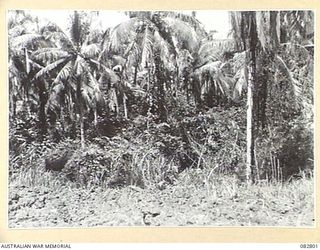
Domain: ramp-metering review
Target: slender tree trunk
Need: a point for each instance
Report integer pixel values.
(197, 93)
(95, 113)
(43, 98)
(250, 101)
(82, 138)
(62, 120)
(116, 103)
(12, 106)
(160, 89)
(12, 100)
(79, 104)
(125, 106)
(250, 141)
(27, 105)
(135, 75)
(218, 96)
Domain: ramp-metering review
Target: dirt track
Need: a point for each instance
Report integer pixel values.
(132, 206)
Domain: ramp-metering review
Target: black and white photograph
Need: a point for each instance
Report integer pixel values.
(157, 118)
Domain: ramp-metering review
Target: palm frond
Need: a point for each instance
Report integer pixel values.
(164, 48)
(54, 100)
(192, 21)
(80, 66)
(241, 79)
(108, 75)
(224, 83)
(268, 29)
(64, 73)
(106, 72)
(54, 33)
(296, 48)
(213, 51)
(218, 82)
(146, 47)
(17, 31)
(211, 68)
(295, 86)
(236, 20)
(217, 79)
(263, 23)
(61, 39)
(49, 54)
(91, 50)
(92, 83)
(95, 36)
(132, 48)
(96, 95)
(122, 33)
(75, 29)
(185, 33)
(239, 60)
(26, 40)
(52, 66)
(13, 70)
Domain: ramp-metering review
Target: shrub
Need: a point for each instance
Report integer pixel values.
(118, 162)
(88, 166)
(216, 138)
(288, 147)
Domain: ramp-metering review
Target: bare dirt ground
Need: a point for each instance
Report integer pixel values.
(289, 205)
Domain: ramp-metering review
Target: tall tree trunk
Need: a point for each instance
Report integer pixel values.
(262, 89)
(196, 91)
(62, 120)
(12, 101)
(82, 138)
(27, 106)
(250, 139)
(95, 114)
(43, 98)
(250, 103)
(80, 109)
(125, 106)
(159, 71)
(135, 75)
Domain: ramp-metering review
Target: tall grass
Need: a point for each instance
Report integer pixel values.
(290, 202)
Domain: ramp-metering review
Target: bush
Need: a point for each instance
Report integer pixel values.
(286, 147)
(217, 138)
(27, 155)
(88, 166)
(118, 162)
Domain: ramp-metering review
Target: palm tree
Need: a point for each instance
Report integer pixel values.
(259, 33)
(24, 38)
(150, 42)
(209, 69)
(72, 63)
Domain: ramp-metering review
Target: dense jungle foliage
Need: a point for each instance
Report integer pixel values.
(157, 95)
